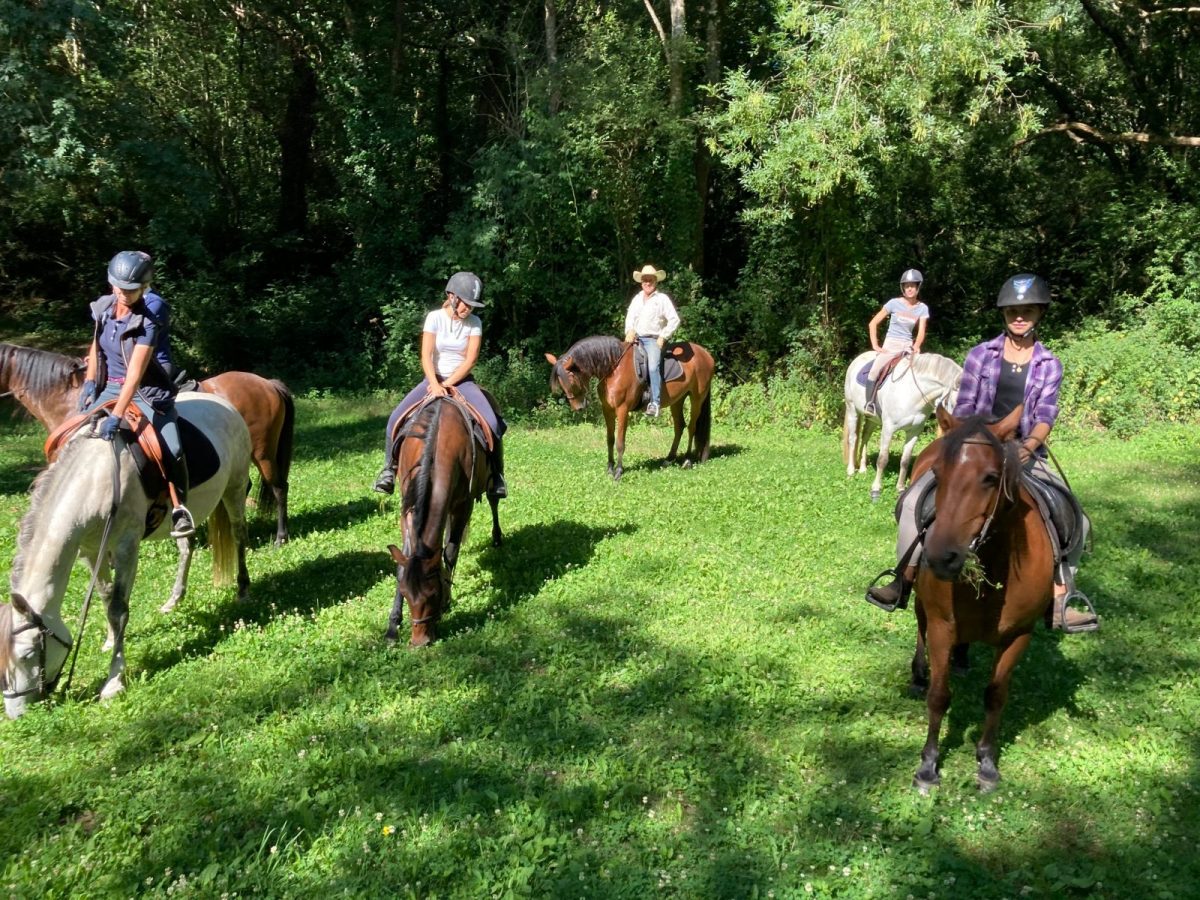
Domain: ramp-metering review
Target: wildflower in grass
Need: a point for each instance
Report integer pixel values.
(379, 817)
(388, 830)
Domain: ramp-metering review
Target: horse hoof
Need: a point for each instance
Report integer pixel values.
(987, 783)
(924, 785)
(875, 495)
(687, 463)
(112, 689)
(167, 607)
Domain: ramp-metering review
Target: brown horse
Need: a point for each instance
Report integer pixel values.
(47, 384)
(443, 472)
(620, 392)
(988, 527)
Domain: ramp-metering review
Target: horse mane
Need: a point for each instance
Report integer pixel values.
(977, 425)
(596, 355)
(6, 638)
(416, 495)
(38, 371)
(942, 368)
(39, 491)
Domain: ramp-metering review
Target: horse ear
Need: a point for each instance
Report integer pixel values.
(20, 604)
(399, 558)
(1006, 428)
(945, 419)
(551, 358)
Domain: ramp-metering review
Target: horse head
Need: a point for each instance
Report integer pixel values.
(978, 471)
(29, 652)
(424, 581)
(567, 379)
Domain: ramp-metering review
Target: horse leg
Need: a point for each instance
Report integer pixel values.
(677, 422)
(622, 422)
(185, 545)
(866, 429)
(920, 664)
(610, 424)
(397, 615)
(104, 588)
(885, 445)
(125, 565)
(497, 536)
(281, 517)
(995, 697)
(940, 635)
(850, 438)
(910, 441)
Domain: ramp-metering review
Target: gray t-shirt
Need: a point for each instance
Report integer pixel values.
(902, 321)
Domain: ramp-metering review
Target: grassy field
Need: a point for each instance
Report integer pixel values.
(671, 686)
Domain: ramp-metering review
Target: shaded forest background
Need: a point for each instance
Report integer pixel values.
(308, 173)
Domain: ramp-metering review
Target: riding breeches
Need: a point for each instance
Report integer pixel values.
(472, 393)
(164, 421)
(909, 529)
(891, 349)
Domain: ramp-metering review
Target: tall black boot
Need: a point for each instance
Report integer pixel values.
(869, 407)
(496, 486)
(182, 524)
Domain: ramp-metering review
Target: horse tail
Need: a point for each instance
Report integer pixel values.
(284, 445)
(704, 428)
(224, 546)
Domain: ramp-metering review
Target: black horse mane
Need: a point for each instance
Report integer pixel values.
(416, 494)
(596, 355)
(38, 371)
(977, 425)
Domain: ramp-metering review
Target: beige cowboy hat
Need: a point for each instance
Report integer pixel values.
(649, 271)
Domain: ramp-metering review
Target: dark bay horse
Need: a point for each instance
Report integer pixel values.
(47, 384)
(611, 361)
(443, 471)
(986, 575)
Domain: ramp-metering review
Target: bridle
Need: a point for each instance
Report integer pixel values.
(43, 687)
(1001, 488)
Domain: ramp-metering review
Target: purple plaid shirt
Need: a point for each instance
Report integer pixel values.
(981, 372)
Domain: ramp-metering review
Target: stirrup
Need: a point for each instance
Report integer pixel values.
(385, 481)
(901, 601)
(1064, 607)
(182, 523)
(497, 488)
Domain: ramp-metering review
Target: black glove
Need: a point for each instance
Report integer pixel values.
(87, 394)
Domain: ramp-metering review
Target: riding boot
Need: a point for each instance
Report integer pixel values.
(869, 406)
(894, 594)
(496, 486)
(385, 482)
(182, 524)
(1070, 620)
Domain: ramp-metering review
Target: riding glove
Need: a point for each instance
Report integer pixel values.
(87, 394)
(109, 427)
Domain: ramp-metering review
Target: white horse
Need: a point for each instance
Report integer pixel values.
(904, 399)
(71, 504)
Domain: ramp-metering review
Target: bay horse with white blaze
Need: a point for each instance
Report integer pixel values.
(91, 503)
(47, 384)
(986, 574)
(443, 471)
(905, 398)
(620, 391)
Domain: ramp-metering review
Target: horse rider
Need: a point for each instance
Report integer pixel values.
(450, 342)
(907, 314)
(998, 375)
(128, 338)
(651, 320)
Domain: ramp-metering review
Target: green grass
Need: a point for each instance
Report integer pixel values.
(668, 686)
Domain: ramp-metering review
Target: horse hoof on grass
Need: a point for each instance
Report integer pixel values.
(875, 495)
(987, 783)
(112, 689)
(687, 463)
(924, 785)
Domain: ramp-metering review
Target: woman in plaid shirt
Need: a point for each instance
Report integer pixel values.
(998, 375)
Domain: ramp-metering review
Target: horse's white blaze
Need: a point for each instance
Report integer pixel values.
(905, 399)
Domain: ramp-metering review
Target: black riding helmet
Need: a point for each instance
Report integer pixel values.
(1024, 289)
(467, 287)
(130, 269)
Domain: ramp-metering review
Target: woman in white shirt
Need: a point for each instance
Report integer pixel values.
(450, 343)
(651, 320)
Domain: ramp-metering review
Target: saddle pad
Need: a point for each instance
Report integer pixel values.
(861, 377)
(672, 368)
(202, 459)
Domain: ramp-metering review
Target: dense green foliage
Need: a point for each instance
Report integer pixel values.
(668, 686)
(308, 174)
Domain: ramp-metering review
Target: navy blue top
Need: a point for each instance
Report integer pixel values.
(157, 307)
(116, 339)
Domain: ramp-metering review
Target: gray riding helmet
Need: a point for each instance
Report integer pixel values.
(912, 276)
(467, 287)
(130, 269)
(1024, 289)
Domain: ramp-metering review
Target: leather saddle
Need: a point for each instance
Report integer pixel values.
(888, 366)
(1059, 508)
(672, 368)
(151, 457)
(479, 427)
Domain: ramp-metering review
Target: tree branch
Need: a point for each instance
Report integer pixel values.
(1081, 131)
(662, 34)
(1170, 10)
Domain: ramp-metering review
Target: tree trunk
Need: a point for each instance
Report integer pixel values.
(712, 75)
(398, 21)
(675, 53)
(555, 98)
(295, 148)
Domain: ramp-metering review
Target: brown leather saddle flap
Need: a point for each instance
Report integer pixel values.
(147, 438)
